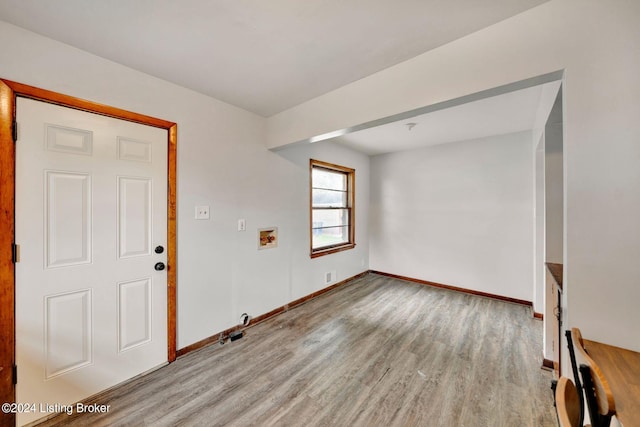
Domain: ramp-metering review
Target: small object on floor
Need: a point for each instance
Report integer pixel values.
(236, 335)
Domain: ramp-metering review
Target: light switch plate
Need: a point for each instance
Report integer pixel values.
(202, 212)
(242, 224)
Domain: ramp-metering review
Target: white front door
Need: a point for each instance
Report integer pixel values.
(91, 219)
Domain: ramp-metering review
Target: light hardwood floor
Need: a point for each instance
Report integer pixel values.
(374, 352)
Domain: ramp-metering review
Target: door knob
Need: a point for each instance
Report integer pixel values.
(159, 266)
(159, 249)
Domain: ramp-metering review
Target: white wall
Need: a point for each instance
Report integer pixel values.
(308, 273)
(540, 269)
(554, 185)
(543, 293)
(554, 194)
(553, 211)
(595, 43)
(222, 162)
(459, 214)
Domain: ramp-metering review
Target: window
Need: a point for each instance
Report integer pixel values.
(332, 208)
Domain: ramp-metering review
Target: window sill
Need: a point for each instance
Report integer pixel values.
(321, 252)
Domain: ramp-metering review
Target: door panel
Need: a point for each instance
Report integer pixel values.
(68, 140)
(134, 313)
(91, 203)
(134, 216)
(68, 218)
(67, 337)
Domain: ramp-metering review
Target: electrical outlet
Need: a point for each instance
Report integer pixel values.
(202, 212)
(329, 277)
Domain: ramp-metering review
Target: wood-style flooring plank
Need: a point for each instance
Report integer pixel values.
(378, 351)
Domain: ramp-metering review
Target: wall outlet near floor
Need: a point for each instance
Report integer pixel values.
(202, 212)
(329, 277)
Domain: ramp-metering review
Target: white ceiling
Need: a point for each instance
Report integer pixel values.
(515, 111)
(261, 55)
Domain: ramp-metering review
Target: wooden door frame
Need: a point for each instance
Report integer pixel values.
(9, 91)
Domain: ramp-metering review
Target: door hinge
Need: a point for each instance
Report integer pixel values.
(14, 131)
(15, 253)
(15, 374)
